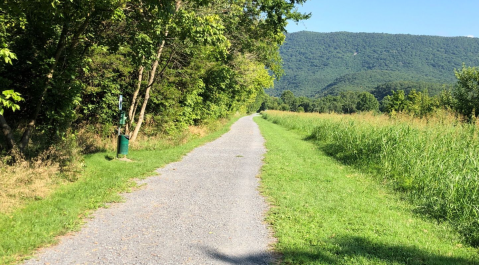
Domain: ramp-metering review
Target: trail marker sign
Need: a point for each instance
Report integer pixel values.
(120, 101)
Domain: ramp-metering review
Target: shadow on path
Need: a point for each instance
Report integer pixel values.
(255, 258)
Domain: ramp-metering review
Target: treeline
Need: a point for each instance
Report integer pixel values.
(329, 63)
(346, 102)
(373, 80)
(391, 98)
(177, 63)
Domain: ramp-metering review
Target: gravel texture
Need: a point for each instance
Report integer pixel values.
(205, 209)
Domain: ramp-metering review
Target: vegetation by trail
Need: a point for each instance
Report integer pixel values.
(178, 64)
(38, 222)
(326, 212)
(63, 64)
(433, 162)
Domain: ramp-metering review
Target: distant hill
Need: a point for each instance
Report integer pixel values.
(328, 63)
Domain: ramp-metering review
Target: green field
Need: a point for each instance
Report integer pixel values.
(325, 211)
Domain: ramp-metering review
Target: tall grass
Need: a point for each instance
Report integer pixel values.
(435, 163)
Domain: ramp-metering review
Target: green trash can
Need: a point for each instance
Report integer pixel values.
(123, 144)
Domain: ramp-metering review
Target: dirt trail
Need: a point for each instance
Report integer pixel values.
(205, 209)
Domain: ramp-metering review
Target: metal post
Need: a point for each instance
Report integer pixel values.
(120, 101)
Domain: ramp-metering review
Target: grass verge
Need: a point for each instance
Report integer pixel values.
(324, 212)
(433, 162)
(40, 222)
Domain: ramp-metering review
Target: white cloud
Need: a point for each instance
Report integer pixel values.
(470, 36)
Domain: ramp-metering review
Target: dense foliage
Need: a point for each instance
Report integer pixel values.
(176, 63)
(466, 95)
(330, 63)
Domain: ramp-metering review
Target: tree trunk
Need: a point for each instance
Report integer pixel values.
(135, 108)
(7, 132)
(148, 88)
(152, 80)
(133, 104)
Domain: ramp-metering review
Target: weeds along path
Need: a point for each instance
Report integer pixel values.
(326, 212)
(205, 209)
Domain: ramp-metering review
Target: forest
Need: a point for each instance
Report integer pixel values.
(408, 97)
(176, 63)
(321, 64)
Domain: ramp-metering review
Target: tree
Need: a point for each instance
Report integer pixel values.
(349, 101)
(446, 99)
(8, 97)
(396, 102)
(284, 107)
(8, 100)
(106, 76)
(53, 37)
(466, 91)
(187, 61)
(238, 69)
(367, 102)
(288, 98)
(164, 29)
(413, 102)
(305, 103)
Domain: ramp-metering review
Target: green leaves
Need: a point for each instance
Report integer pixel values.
(7, 55)
(466, 91)
(396, 102)
(8, 100)
(367, 102)
(201, 59)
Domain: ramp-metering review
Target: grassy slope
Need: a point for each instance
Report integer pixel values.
(327, 213)
(39, 223)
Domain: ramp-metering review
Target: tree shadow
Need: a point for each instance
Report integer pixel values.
(345, 250)
(353, 249)
(368, 161)
(337, 151)
(254, 258)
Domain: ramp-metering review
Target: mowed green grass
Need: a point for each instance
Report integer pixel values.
(324, 212)
(39, 223)
(433, 162)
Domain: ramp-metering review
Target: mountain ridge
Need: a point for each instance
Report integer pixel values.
(317, 64)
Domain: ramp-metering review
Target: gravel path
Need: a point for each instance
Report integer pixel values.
(205, 209)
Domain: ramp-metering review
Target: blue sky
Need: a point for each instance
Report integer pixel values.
(447, 18)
